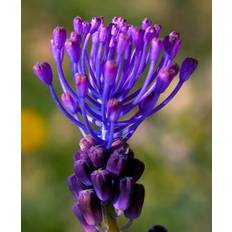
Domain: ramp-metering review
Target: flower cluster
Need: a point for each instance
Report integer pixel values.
(105, 180)
(119, 74)
(108, 62)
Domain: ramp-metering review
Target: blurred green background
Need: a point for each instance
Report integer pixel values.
(175, 144)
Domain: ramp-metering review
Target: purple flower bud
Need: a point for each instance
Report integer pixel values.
(172, 43)
(110, 71)
(82, 84)
(188, 66)
(77, 24)
(73, 49)
(75, 186)
(165, 77)
(149, 34)
(158, 228)
(85, 27)
(123, 196)
(59, 35)
(90, 207)
(44, 72)
(123, 40)
(95, 23)
(77, 212)
(82, 170)
(157, 28)
(80, 155)
(136, 169)
(87, 142)
(69, 103)
(136, 204)
(137, 37)
(97, 156)
(146, 23)
(102, 183)
(117, 163)
(113, 109)
(156, 47)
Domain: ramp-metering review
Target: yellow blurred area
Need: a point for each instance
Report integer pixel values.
(33, 130)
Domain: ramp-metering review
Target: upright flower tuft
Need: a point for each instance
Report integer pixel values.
(120, 73)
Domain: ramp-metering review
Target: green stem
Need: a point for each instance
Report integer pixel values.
(110, 222)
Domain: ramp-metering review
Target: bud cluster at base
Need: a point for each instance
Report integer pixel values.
(102, 177)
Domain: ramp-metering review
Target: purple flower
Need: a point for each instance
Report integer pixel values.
(44, 72)
(102, 183)
(108, 103)
(136, 203)
(90, 207)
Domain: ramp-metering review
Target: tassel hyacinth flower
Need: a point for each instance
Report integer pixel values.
(118, 74)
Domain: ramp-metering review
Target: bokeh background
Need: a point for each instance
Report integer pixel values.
(175, 144)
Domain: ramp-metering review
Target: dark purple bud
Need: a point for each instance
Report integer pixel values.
(87, 142)
(149, 34)
(85, 27)
(136, 169)
(75, 186)
(172, 43)
(156, 48)
(83, 170)
(77, 24)
(165, 77)
(157, 28)
(95, 23)
(136, 204)
(117, 163)
(124, 192)
(90, 207)
(123, 40)
(113, 109)
(73, 49)
(137, 37)
(146, 23)
(110, 71)
(158, 228)
(102, 183)
(80, 155)
(69, 103)
(82, 84)
(43, 71)
(188, 66)
(59, 35)
(97, 156)
(77, 212)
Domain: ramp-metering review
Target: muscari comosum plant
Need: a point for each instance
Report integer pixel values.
(119, 72)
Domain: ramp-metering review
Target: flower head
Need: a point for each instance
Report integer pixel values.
(107, 62)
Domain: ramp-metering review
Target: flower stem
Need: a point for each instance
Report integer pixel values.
(110, 222)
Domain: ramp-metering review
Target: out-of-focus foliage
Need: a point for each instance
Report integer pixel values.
(175, 144)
